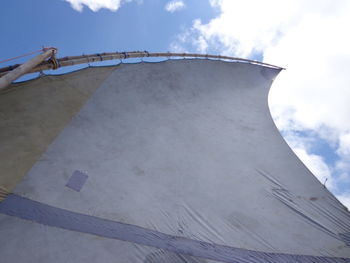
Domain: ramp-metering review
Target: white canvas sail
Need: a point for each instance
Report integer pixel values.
(177, 161)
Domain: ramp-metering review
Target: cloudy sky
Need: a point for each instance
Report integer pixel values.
(310, 101)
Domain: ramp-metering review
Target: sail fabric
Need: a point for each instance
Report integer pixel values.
(185, 150)
(34, 112)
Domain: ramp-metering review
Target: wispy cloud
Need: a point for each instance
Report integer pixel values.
(174, 5)
(302, 146)
(306, 37)
(96, 5)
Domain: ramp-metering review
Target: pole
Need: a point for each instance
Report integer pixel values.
(76, 60)
(26, 67)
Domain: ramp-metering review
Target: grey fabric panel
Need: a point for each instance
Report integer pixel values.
(24, 241)
(345, 237)
(188, 148)
(47, 215)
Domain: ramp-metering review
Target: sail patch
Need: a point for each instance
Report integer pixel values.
(77, 180)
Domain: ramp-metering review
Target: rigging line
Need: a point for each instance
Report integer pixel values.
(20, 56)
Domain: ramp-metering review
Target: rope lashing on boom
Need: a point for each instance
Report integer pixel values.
(55, 63)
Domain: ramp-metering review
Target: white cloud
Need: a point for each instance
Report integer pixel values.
(317, 166)
(175, 5)
(96, 5)
(344, 144)
(313, 92)
(315, 83)
(315, 163)
(344, 199)
(310, 39)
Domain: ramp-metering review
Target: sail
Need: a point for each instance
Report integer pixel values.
(176, 161)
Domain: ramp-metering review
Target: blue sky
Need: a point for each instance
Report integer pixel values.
(135, 26)
(309, 101)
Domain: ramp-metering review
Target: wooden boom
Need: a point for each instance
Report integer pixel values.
(7, 77)
(54, 63)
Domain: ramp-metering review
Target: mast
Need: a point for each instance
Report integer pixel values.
(25, 68)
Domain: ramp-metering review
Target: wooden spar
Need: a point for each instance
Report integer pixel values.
(83, 59)
(27, 67)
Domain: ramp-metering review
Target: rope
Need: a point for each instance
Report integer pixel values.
(21, 56)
